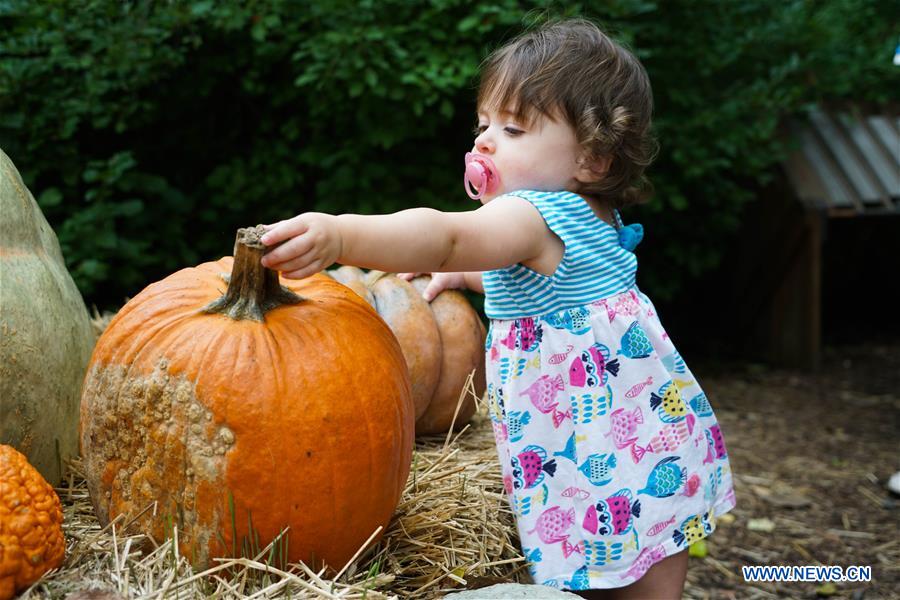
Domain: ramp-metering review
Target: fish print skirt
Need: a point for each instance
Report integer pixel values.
(611, 455)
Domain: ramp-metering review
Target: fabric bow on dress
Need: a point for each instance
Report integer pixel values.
(630, 236)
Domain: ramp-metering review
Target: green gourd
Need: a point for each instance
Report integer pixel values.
(45, 334)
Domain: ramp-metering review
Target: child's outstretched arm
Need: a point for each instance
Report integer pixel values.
(500, 233)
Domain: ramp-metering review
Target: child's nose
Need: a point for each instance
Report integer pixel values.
(484, 144)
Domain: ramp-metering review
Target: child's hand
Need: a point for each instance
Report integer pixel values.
(439, 282)
(312, 242)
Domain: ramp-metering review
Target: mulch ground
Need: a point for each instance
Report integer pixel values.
(811, 454)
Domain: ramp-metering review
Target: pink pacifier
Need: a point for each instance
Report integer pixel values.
(481, 176)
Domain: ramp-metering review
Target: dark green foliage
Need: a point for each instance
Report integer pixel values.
(151, 131)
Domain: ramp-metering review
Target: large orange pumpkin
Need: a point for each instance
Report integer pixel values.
(31, 537)
(264, 404)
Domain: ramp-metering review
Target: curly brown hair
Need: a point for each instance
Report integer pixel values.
(572, 69)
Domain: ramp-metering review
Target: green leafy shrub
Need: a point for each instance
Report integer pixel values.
(151, 131)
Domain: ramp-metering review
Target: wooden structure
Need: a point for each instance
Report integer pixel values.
(844, 163)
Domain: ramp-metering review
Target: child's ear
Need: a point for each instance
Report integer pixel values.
(593, 170)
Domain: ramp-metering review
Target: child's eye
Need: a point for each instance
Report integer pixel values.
(479, 129)
(513, 131)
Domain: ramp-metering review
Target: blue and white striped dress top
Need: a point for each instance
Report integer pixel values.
(594, 265)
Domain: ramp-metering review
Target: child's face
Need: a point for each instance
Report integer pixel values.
(541, 156)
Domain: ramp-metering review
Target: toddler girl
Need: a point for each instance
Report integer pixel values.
(610, 453)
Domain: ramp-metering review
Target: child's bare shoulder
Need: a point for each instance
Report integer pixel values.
(513, 213)
(505, 231)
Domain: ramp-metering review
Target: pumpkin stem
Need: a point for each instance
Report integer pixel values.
(253, 290)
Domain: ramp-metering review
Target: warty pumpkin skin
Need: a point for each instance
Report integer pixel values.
(305, 419)
(31, 537)
(462, 351)
(45, 333)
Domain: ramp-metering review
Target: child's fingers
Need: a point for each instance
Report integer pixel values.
(433, 288)
(312, 265)
(408, 276)
(300, 263)
(283, 230)
(300, 273)
(281, 257)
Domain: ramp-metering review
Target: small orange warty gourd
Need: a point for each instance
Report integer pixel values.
(280, 403)
(31, 537)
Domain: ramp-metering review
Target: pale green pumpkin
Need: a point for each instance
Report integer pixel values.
(45, 334)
